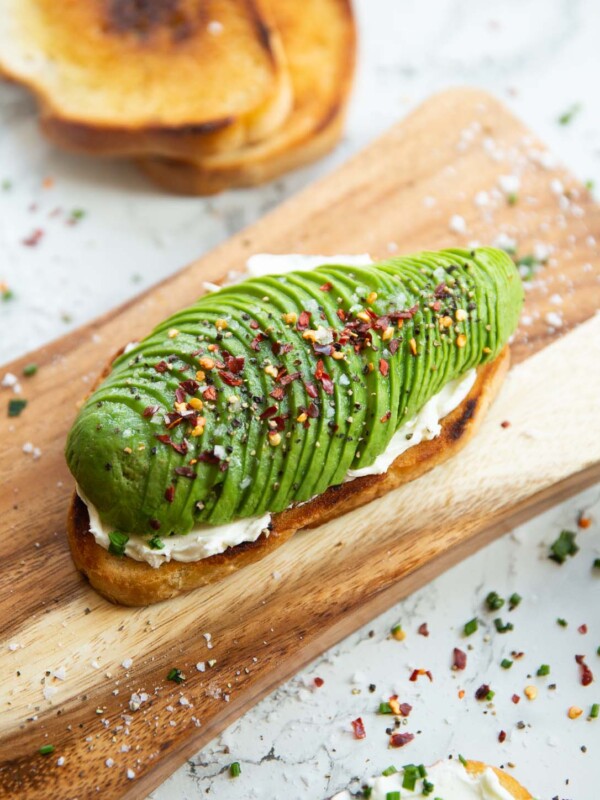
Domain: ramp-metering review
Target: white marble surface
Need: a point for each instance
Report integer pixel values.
(542, 57)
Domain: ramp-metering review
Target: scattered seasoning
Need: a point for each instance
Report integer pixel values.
(586, 673)
(76, 215)
(595, 711)
(506, 663)
(411, 775)
(502, 736)
(423, 630)
(389, 771)
(398, 633)
(505, 424)
(175, 675)
(596, 564)
(569, 115)
(516, 699)
(530, 692)
(484, 692)
(29, 370)
(416, 673)
(16, 406)
(471, 626)
(462, 760)
(583, 521)
(563, 547)
(319, 682)
(118, 541)
(459, 659)
(562, 622)
(358, 728)
(543, 669)
(401, 739)
(583, 629)
(574, 712)
(235, 770)
(34, 238)
(514, 600)
(493, 601)
(155, 543)
(46, 749)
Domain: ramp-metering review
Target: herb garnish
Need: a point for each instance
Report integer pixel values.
(563, 547)
(155, 543)
(503, 627)
(29, 370)
(494, 601)
(235, 769)
(506, 663)
(175, 675)
(118, 542)
(543, 669)
(569, 115)
(46, 749)
(15, 406)
(471, 626)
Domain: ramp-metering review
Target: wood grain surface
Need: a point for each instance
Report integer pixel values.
(268, 620)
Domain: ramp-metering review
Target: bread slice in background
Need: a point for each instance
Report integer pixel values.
(181, 78)
(319, 39)
(136, 583)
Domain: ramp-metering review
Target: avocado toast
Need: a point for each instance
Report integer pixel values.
(269, 405)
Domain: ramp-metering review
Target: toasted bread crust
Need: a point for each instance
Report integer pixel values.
(506, 781)
(136, 583)
(321, 74)
(125, 43)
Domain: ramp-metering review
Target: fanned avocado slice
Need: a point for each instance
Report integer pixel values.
(267, 392)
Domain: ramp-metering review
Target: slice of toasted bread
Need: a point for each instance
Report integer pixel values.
(136, 583)
(319, 40)
(512, 786)
(173, 77)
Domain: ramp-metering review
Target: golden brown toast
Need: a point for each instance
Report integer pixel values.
(173, 77)
(136, 583)
(319, 40)
(507, 782)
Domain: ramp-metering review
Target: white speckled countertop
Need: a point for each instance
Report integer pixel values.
(541, 57)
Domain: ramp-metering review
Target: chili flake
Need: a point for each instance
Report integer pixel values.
(358, 728)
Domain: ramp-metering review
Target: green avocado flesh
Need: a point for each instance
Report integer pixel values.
(310, 375)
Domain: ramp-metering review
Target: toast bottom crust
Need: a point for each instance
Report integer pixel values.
(136, 583)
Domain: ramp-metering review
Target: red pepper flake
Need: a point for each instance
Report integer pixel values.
(385, 418)
(436, 306)
(341, 314)
(460, 659)
(185, 472)
(303, 321)
(400, 739)
(286, 379)
(516, 699)
(319, 682)
(441, 290)
(583, 521)
(154, 524)
(161, 367)
(358, 728)
(255, 343)
(170, 494)
(189, 387)
(586, 673)
(179, 395)
(235, 364)
(502, 736)
(268, 412)
(150, 411)
(583, 629)
(254, 325)
(327, 287)
(393, 346)
(408, 314)
(322, 376)
(179, 447)
(417, 672)
(278, 393)
(311, 390)
(482, 692)
(34, 238)
(405, 709)
(313, 411)
(384, 367)
(229, 378)
(505, 424)
(210, 393)
(423, 630)
(209, 457)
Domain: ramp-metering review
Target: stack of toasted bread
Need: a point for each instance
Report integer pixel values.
(204, 94)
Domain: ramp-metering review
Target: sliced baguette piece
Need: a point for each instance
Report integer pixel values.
(136, 583)
(319, 39)
(180, 78)
(512, 786)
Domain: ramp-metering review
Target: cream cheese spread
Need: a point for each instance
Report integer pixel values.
(450, 780)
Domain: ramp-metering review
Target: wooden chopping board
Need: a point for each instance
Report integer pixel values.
(400, 194)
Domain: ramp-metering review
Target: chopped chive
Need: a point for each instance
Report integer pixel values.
(506, 663)
(389, 771)
(367, 791)
(543, 669)
(490, 696)
(6, 185)
(77, 214)
(595, 711)
(118, 542)
(16, 406)
(8, 294)
(562, 622)
(563, 547)
(392, 796)
(503, 627)
(46, 749)
(596, 563)
(409, 780)
(29, 370)
(235, 770)
(471, 626)
(462, 760)
(514, 600)
(155, 543)
(175, 675)
(493, 601)
(569, 115)
(512, 199)
(384, 708)
(589, 185)
(427, 787)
